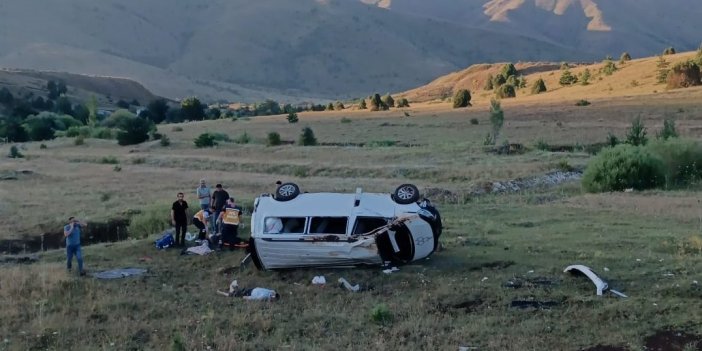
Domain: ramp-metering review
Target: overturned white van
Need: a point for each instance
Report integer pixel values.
(290, 229)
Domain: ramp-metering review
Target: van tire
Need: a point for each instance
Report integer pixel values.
(287, 192)
(406, 194)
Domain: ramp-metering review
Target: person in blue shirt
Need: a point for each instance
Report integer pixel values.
(72, 232)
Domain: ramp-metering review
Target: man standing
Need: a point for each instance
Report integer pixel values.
(219, 199)
(230, 219)
(71, 232)
(179, 217)
(203, 195)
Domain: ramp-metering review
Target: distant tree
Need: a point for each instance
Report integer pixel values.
(22, 108)
(267, 108)
(585, 77)
(330, 107)
(307, 137)
(499, 81)
(122, 104)
(521, 82)
(564, 66)
(669, 51)
(538, 87)
(662, 69)
(609, 67)
(683, 75)
(134, 102)
(135, 131)
(461, 98)
(668, 130)
(292, 117)
(42, 126)
(214, 113)
(273, 139)
(489, 83)
(497, 120)
(377, 104)
(403, 102)
(119, 119)
(92, 106)
(567, 78)
(636, 134)
(62, 88)
(39, 103)
(174, 115)
(362, 105)
(63, 106)
(505, 92)
(6, 96)
(624, 58)
(192, 109)
(389, 100)
(205, 140)
(81, 113)
(157, 110)
(512, 80)
(509, 70)
(339, 106)
(12, 129)
(52, 88)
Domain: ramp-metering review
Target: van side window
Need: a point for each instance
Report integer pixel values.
(294, 225)
(367, 224)
(328, 225)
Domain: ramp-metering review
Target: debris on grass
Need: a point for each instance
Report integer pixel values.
(600, 284)
(542, 305)
(345, 283)
(19, 259)
(119, 273)
(319, 280)
(666, 340)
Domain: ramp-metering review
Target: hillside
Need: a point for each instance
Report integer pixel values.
(243, 50)
(636, 77)
(107, 90)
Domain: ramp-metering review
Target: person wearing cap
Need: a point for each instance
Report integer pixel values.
(219, 200)
(230, 219)
(72, 232)
(201, 220)
(203, 195)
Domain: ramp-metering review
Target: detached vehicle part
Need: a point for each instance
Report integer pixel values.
(600, 284)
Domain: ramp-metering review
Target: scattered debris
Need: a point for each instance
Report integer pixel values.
(18, 259)
(492, 265)
(391, 270)
(319, 280)
(543, 305)
(257, 294)
(484, 279)
(355, 288)
(119, 273)
(606, 269)
(202, 249)
(600, 284)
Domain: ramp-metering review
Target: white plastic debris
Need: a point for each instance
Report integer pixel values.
(638, 260)
(530, 272)
(348, 286)
(606, 269)
(695, 282)
(233, 286)
(391, 270)
(319, 280)
(484, 279)
(600, 284)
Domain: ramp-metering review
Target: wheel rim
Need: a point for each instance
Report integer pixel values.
(405, 193)
(286, 190)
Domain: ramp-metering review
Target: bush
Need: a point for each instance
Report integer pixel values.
(205, 140)
(567, 78)
(609, 67)
(538, 87)
(135, 132)
(117, 168)
(623, 167)
(403, 102)
(339, 106)
(497, 120)
(243, 138)
(83, 131)
(582, 102)
(636, 134)
(110, 160)
(221, 137)
(662, 70)
(377, 104)
(461, 98)
(625, 57)
(307, 137)
(102, 133)
(177, 129)
(362, 105)
(80, 140)
(345, 120)
(683, 75)
(388, 100)
(273, 139)
(165, 141)
(668, 130)
(542, 145)
(506, 91)
(14, 152)
(330, 107)
(585, 77)
(474, 121)
(42, 146)
(489, 85)
(682, 160)
(381, 314)
(292, 117)
(669, 51)
(612, 140)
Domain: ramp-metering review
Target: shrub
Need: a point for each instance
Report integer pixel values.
(345, 120)
(292, 117)
(474, 121)
(377, 104)
(668, 130)
(542, 145)
(461, 98)
(623, 167)
(682, 160)
(497, 120)
(538, 87)
(499, 80)
(567, 78)
(585, 77)
(362, 105)
(135, 132)
(42, 146)
(330, 107)
(243, 138)
(339, 106)
(403, 102)
(165, 141)
(636, 134)
(14, 152)
(662, 70)
(624, 58)
(669, 51)
(683, 75)
(382, 143)
(506, 91)
(221, 137)
(612, 140)
(307, 137)
(388, 100)
(102, 133)
(381, 314)
(565, 166)
(76, 131)
(177, 129)
(273, 139)
(609, 67)
(80, 140)
(205, 140)
(582, 102)
(489, 83)
(111, 160)
(117, 168)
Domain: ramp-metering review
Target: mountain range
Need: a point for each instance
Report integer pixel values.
(242, 50)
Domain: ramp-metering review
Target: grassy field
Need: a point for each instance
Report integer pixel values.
(649, 242)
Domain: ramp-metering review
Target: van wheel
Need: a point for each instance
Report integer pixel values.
(406, 194)
(287, 192)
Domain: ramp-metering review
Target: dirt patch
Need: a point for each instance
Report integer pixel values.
(605, 348)
(96, 232)
(541, 305)
(492, 265)
(669, 340)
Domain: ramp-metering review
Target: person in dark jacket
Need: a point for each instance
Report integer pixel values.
(179, 218)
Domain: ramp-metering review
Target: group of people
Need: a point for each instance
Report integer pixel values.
(217, 219)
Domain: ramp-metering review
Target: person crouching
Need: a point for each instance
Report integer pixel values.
(230, 219)
(201, 220)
